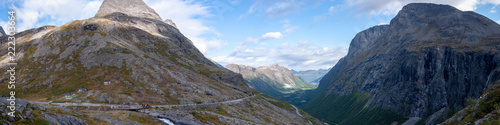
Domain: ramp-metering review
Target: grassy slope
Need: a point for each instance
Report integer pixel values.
(348, 109)
(266, 85)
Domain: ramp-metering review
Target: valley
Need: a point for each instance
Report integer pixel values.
(250, 62)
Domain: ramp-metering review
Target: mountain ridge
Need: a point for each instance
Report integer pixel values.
(311, 76)
(272, 79)
(125, 57)
(429, 58)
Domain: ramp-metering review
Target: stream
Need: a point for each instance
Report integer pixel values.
(166, 121)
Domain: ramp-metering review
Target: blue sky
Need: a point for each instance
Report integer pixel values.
(298, 34)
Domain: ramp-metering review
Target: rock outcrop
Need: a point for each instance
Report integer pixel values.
(136, 8)
(429, 59)
(127, 55)
(30, 113)
(170, 22)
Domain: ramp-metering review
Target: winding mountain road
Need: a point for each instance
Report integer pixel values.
(160, 106)
(296, 110)
(223, 102)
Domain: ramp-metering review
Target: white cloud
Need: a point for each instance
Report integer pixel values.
(382, 23)
(493, 9)
(288, 28)
(496, 2)
(266, 36)
(36, 13)
(391, 7)
(189, 17)
(253, 40)
(299, 56)
(498, 21)
(331, 9)
(272, 35)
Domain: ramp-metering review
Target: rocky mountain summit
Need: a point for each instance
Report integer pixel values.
(135, 8)
(272, 79)
(127, 55)
(425, 64)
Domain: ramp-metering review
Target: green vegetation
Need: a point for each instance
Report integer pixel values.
(281, 104)
(487, 105)
(36, 120)
(349, 109)
(206, 118)
(221, 111)
(143, 119)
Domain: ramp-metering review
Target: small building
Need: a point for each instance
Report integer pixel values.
(107, 82)
(82, 89)
(69, 96)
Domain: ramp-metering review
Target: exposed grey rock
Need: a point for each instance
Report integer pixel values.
(437, 117)
(25, 109)
(50, 119)
(270, 79)
(112, 120)
(170, 22)
(135, 8)
(430, 57)
(411, 121)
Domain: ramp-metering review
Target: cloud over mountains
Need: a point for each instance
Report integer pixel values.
(299, 56)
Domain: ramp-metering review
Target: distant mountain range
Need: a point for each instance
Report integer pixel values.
(274, 80)
(311, 76)
(423, 67)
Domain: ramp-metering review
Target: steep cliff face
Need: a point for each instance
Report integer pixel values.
(430, 57)
(128, 56)
(273, 79)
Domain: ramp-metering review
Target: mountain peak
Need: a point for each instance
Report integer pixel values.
(135, 8)
(422, 13)
(273, 66)
(170, 22)
(429, 7)
(431, 22)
